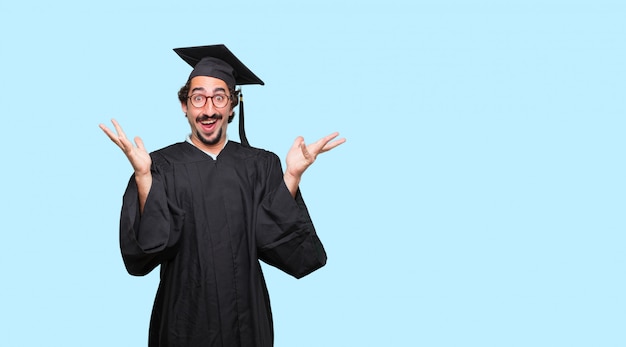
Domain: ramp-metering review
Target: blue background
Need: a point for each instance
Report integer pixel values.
(479, 200)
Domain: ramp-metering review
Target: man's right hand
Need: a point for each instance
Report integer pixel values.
(137, 155)
(139, 158)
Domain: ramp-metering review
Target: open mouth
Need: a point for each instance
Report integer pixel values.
(208, 123)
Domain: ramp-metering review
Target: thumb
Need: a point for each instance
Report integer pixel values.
(139, 143)
(298, 142)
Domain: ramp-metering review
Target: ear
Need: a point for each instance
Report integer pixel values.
(183, 105)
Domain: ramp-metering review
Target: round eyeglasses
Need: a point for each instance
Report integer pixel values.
(218, 100)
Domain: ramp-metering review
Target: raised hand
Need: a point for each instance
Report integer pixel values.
(301, 156)
(137, 155)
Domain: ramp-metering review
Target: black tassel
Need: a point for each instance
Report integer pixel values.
(242, 130)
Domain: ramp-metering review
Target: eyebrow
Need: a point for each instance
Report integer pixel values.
(201, 89)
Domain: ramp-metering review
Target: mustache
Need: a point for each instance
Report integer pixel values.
(205, 117)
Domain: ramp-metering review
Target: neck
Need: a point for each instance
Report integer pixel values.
(212, 147)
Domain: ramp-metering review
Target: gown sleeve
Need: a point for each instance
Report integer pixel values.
(286, 237)
(148, 239)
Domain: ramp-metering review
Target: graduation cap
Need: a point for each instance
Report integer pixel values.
(219, 62)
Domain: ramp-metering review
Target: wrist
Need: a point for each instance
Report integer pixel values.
(143, 176)
(292, 177)
(292, 182)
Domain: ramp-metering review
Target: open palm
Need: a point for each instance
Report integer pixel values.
(137, 155)
(301, 155)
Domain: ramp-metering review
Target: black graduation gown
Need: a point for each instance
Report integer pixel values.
(207, 223)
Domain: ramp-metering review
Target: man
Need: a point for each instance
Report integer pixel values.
(208, 209)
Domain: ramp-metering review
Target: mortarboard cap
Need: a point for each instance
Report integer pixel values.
(219, 62)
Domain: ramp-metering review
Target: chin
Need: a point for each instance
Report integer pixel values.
(213, 139)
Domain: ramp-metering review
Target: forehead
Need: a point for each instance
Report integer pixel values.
(207, 83)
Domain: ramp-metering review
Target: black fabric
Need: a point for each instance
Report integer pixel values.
(217, 68)
(207, 223)
(197, 58)
(242, 128)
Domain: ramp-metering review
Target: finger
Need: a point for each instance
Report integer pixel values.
(305, 151)
(118, 129)
(333, 144)
(319, 145)
(324, 140)
(139, 143)
(297, 142)
(105, 129)
(113, 137)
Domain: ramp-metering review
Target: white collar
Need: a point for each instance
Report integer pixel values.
(214, 156)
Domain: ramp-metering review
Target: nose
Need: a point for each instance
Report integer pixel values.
(208, 106)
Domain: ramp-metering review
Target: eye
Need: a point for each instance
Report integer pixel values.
(219, 98)
(197, 98)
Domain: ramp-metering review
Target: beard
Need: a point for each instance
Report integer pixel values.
(210, 142)
(218, 135)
